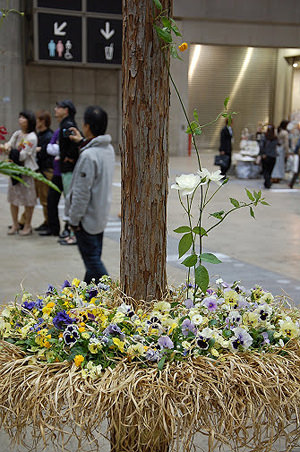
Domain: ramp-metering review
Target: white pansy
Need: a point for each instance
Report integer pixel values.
(186, 183)
(124, 308)
(197, 319)
(207, 176)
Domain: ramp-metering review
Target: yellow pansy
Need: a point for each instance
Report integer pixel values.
(250, 319)
(231, 297)
(120, 344)
(78, 360)
(289, 329)
(76, 283)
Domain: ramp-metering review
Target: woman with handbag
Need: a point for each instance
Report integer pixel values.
(21, 149)
(268, 153)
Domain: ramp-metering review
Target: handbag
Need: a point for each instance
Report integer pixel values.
(14, 156)
(222, 160)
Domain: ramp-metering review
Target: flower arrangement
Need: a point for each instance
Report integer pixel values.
(81, 325)
(225, 361)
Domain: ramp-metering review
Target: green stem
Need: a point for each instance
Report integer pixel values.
(227, 213)
(185, 115)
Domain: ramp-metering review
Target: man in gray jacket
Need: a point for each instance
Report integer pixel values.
(89, 198)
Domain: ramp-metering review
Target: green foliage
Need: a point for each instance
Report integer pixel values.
(202, 278)
(15, 171)
(209, 257)
(190, 261)
(185, 244)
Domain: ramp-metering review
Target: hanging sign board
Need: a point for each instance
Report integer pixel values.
(104, 41)
(88, 32)
(60, 37)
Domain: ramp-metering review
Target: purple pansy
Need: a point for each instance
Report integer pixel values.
(61, 320)
(211, 303)
(266, 338)
(152, 355)
(66, 283)
(114, 330)
(93, 292)
(188, 303)
(165, 342)
(188, 326)
(240, 339)
(29, 305)
(50, 290)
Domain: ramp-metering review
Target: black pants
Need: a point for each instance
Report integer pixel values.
(52, 203)
(268, 164)
(90, 247)
(226, 168)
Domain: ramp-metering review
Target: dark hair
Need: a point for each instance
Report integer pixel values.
(270, 133)
(96, 118)
(44, 115)
(283, 125)
(30, 116)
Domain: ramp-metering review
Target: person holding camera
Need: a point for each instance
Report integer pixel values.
(65, 112)
(89, 198)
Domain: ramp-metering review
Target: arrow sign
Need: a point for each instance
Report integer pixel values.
(107, 33)
(58, 29)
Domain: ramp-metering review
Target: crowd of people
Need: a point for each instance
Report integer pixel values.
(79, 164)
(276, 148)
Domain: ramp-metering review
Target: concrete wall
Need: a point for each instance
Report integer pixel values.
(262, 23)
(45, 85)
(11, 68)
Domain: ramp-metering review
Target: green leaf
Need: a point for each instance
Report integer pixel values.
(164, 34)
(199, 231)
(195, 114)
(182, 229)
(252, 212)
(265, 203)
(166, 22)
(226, 102)
(157, 4)
(234, 202)
(202, 278)
(174, 53)
(185, 243)
(175, 28)
(190, 261)
(194, 128)
(161, 363)
(218, 215)
(249, 194)
(209, 257)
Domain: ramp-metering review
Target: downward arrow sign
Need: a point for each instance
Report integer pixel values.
(58, 30)
(107, 33)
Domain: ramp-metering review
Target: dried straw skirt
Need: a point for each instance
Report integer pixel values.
(20, 194)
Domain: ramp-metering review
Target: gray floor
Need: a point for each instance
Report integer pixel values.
(265, 251)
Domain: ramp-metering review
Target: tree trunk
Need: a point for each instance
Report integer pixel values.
(144, 154)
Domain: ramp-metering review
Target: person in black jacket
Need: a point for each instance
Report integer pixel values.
(44, 160)
(268, 152)
(65, 112)
(225, 148)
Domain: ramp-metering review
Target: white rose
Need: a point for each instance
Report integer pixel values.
(186, 183)
(215, 176)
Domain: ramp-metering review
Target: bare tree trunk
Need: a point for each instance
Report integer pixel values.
(144, 154)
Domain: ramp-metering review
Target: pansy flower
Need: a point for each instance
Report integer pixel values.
(71, 334)
(61, 320)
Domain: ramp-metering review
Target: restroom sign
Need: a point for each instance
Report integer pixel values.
(59, 37)
(104, 40)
